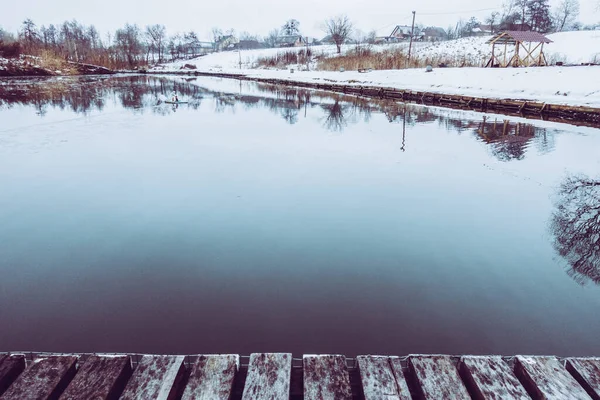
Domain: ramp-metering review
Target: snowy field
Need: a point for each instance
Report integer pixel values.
(568, 47)
(574, 85)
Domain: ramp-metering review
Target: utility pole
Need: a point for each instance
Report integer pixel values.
(307, 55)
(412, 32)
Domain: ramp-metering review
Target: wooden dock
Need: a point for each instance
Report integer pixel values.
(272, 376)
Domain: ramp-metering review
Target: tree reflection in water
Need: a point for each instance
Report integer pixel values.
(334, 116)
(575, 225)
(506, 140)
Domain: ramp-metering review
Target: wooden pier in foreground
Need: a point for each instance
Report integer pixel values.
(272, 376)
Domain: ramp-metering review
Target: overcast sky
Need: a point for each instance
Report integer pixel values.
(254, 16)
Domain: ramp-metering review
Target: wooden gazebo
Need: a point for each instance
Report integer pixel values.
(523, 42)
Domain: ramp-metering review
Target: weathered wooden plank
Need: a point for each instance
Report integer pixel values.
(156, 377)
(10, 368)
(438, 377)
(99, 378)
(326, 378)
(212, 377)
(587, 372)
(382, 378)
(491, 378)
(268, 376)
(546, 378)
(397, 369)
(45, 379)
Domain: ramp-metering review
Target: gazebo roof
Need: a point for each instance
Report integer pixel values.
(512, 37)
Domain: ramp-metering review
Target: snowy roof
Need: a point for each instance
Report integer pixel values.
(519, 36)
(402, 29)
(433, 30)
(289, 39)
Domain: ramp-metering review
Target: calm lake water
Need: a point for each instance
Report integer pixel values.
(257, 218)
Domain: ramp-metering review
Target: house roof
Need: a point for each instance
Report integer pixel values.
(434, 30)
(224, 38)
(289, 38)
(512, 37)
(403, 29)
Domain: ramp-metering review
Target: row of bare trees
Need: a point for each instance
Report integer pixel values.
(128, 47)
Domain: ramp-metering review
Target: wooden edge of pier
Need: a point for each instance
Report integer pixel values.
(576, 115)
(280, 376)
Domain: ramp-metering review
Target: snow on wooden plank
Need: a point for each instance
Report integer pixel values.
(438, 377)
(268, 376)
(491, 378)
(382, 378)
(99, 378)
(10, 368)
(587, 372)
(397, 369)
(156, 377)
(326, 378)
(212, 377)
(546, 378)
(45, 378)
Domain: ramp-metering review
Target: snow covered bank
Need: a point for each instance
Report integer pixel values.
(577, 86)
(567, 47)
(23, 66)
(573, 48)
(26, 65)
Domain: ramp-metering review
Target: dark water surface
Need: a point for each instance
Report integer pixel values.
(258, 218)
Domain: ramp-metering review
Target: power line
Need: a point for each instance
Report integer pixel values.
(461, 12)
(406, 20)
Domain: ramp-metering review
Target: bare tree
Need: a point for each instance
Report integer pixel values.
(538, 12)
(521, 5)
(245, 35)
(339, 29)
(291, 27)
(190, 43)
(468, 27)
(272, 38)
(157, 35)
(93, 37)
(216, 33)
(371, 36)
(492, 20)
(566, 14)
(29, 34)
(129, 44)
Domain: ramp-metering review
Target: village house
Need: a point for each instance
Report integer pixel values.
(434, 34)
(227, 42)
(290, 41)
(199, 48)
(483, 30)
(248, 45)
(401, 32)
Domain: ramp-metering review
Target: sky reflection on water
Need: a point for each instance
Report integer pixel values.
(261, 218)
